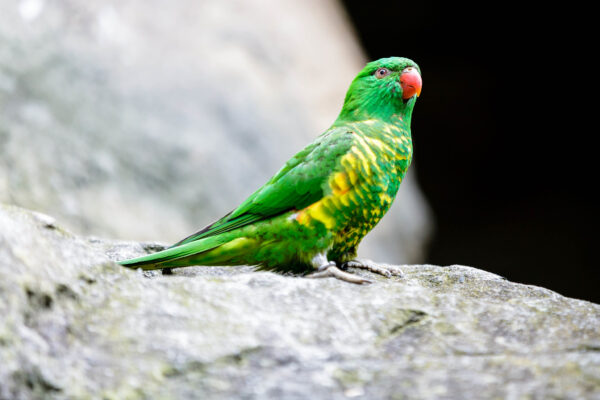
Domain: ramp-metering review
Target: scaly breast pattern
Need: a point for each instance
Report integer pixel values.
(363, 188)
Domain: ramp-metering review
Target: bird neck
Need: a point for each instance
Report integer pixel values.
(360, 109)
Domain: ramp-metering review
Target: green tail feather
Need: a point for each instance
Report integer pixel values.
(199, 252)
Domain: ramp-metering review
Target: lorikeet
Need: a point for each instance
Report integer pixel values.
(311, 216)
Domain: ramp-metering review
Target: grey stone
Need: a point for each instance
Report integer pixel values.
(75, 325)
(148, 120)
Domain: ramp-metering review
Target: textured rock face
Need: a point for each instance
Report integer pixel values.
(147, 120)
(76, 325)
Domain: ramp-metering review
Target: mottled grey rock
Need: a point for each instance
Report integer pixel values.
(75, 325)
(147, 120)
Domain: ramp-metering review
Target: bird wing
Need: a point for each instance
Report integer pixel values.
(301, 182)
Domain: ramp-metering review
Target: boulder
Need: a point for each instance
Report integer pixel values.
(76, 325)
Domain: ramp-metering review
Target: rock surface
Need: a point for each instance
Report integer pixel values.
(148, 120)
(75, 325)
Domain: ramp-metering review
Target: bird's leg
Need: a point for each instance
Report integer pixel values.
(381, 269)
(326, 269)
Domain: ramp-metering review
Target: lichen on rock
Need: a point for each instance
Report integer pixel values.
(77, 325)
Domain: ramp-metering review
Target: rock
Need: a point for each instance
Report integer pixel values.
(149, 120)
(76, 325)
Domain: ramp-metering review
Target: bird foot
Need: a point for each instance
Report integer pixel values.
(331, 270)
(382, 269)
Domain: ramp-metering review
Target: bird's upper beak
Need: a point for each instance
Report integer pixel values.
(411, 82)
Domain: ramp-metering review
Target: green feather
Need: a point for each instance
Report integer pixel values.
(298, 184)
(325, 198)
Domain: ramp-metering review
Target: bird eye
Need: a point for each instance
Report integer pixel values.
(382, 72)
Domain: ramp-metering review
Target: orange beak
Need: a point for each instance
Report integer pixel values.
(411, 82)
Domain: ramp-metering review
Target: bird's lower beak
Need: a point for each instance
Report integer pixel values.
(411, 82)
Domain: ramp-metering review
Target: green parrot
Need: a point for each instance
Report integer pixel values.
(311, 216)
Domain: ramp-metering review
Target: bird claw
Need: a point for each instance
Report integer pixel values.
(331, 270)
(382, 269)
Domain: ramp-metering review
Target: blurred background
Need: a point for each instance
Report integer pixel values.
(147, 120)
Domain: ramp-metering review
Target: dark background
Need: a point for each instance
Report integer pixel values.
(501, 135)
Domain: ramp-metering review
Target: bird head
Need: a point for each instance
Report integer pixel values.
(384, 88)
